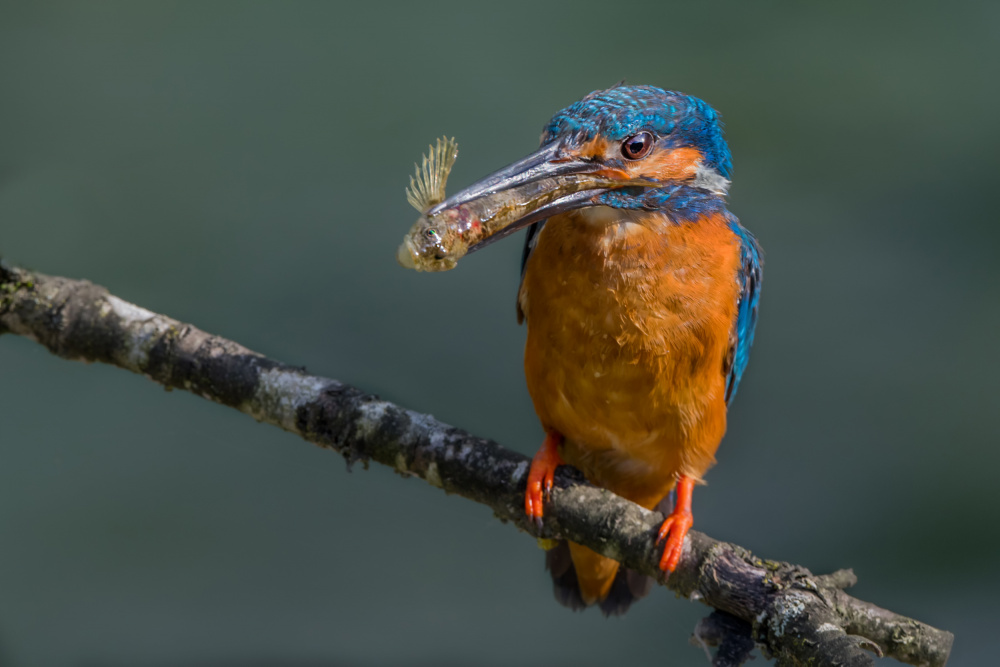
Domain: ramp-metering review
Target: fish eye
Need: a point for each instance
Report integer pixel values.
(431, 234)
(638, 145)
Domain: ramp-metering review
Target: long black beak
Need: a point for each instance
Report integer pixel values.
(549, 181)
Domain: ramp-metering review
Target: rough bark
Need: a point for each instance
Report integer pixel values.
(784, 610)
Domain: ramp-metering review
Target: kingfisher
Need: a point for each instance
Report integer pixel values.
(640, 292)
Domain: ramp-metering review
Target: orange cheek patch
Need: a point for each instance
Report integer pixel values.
(676, 165)
(595, 148)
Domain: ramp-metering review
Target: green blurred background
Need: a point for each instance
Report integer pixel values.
(241, 166)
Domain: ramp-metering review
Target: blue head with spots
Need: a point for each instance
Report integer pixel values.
(675, 121)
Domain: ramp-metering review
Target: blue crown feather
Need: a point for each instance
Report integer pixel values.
(619, 112)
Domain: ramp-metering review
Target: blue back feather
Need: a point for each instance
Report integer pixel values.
(746, 311)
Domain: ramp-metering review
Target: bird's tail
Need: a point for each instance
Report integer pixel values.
(581, 577)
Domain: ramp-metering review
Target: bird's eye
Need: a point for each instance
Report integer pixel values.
(638, 145)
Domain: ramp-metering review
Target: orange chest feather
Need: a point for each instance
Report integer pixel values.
(629, 323)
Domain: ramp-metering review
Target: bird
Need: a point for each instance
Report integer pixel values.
(640, 292)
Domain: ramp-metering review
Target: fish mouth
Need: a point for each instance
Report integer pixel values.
(404, 255)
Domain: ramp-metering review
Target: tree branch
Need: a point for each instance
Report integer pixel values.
(789, 613)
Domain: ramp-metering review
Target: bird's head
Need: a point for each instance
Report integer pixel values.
(627, 147)
(644, 132)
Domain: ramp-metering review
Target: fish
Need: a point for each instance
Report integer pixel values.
(435, 242)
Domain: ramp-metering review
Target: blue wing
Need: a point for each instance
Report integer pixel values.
(746, 309)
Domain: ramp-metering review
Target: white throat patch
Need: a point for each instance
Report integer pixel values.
(710, 179)
(607, 215)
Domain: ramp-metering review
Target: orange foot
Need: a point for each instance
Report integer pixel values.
(677, 525)
(543, 468)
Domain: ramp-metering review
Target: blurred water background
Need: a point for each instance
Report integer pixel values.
(240, 166)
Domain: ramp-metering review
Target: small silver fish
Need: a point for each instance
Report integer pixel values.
(431, 245)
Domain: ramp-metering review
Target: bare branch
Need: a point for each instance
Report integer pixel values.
(789, 613)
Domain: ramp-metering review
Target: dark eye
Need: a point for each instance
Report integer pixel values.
(431, 234)
(638, 146)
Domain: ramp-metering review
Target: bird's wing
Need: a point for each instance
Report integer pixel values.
(741, 337)
(529, 246)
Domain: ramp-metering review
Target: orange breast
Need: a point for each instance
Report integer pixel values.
(629, 321)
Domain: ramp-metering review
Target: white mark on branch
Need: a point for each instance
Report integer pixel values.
(129, 312)
(786, 609)
(280, 393)
(370, 417)
(144, 328)
(436, 440)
